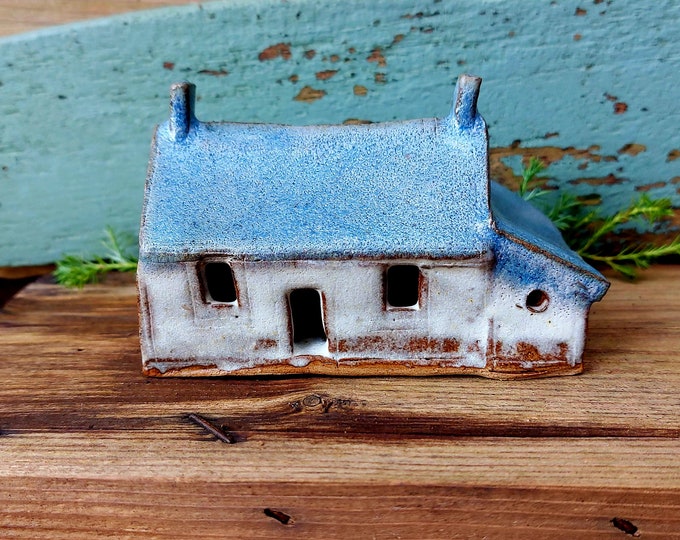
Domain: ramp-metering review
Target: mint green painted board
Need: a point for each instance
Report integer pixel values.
(78, 103)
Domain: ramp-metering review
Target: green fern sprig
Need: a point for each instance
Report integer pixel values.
(527, 187)
(628, 260)
(76, 271)
(651, 210)
(590, 234)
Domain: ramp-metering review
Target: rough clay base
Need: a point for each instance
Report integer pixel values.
(366, 368)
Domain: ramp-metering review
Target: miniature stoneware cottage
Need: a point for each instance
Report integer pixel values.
(350, 249)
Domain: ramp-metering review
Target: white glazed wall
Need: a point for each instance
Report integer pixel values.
(520, 335)
(513, 324)
(182, 325)
(459, 302)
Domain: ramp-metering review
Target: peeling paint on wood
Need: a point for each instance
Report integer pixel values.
(275, 51)
(78, 102)
(356, 121)
(632, 149)
(326, 74)
(649, 187)
(377, 57)
(308, 94)
(360, 90)
(620, 107)
(214, 72)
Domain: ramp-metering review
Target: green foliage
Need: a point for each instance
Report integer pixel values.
(528, 189)
(594, 236)
(76, 271)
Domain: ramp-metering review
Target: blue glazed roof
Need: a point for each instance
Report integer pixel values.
(414, 188)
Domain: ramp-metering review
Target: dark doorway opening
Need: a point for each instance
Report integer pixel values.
(306, 312)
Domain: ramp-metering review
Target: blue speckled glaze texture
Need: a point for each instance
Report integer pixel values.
(413, 189)
(416, 188)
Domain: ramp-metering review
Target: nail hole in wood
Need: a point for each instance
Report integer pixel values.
(625, 526)
(278, 515)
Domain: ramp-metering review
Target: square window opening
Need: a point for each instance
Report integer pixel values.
(219, 283)
(402, 283)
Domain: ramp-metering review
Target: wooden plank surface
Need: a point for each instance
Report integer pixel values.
(91, 448)
(18, 16)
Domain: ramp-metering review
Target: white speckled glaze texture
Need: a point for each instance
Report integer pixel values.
(331, 208)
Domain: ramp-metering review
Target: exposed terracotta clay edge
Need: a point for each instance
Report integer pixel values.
(363, 368)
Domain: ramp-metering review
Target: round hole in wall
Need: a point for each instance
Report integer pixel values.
(537, 301)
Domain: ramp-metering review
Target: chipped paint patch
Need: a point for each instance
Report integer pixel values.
(377, 56)
(325, 75)
(356, 121)
(620, 107)
(632, 149)
(609, 180)
(504, 173)
(275, 51)
(420, 15)
(649, 187)
(308, 94)
(360, 90)
(214, 72)
(673, 154)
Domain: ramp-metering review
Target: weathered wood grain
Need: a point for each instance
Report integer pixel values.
(73, 508)
(90, 447)
(18, 16)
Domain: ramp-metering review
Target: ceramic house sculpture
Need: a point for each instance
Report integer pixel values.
(350, 249)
